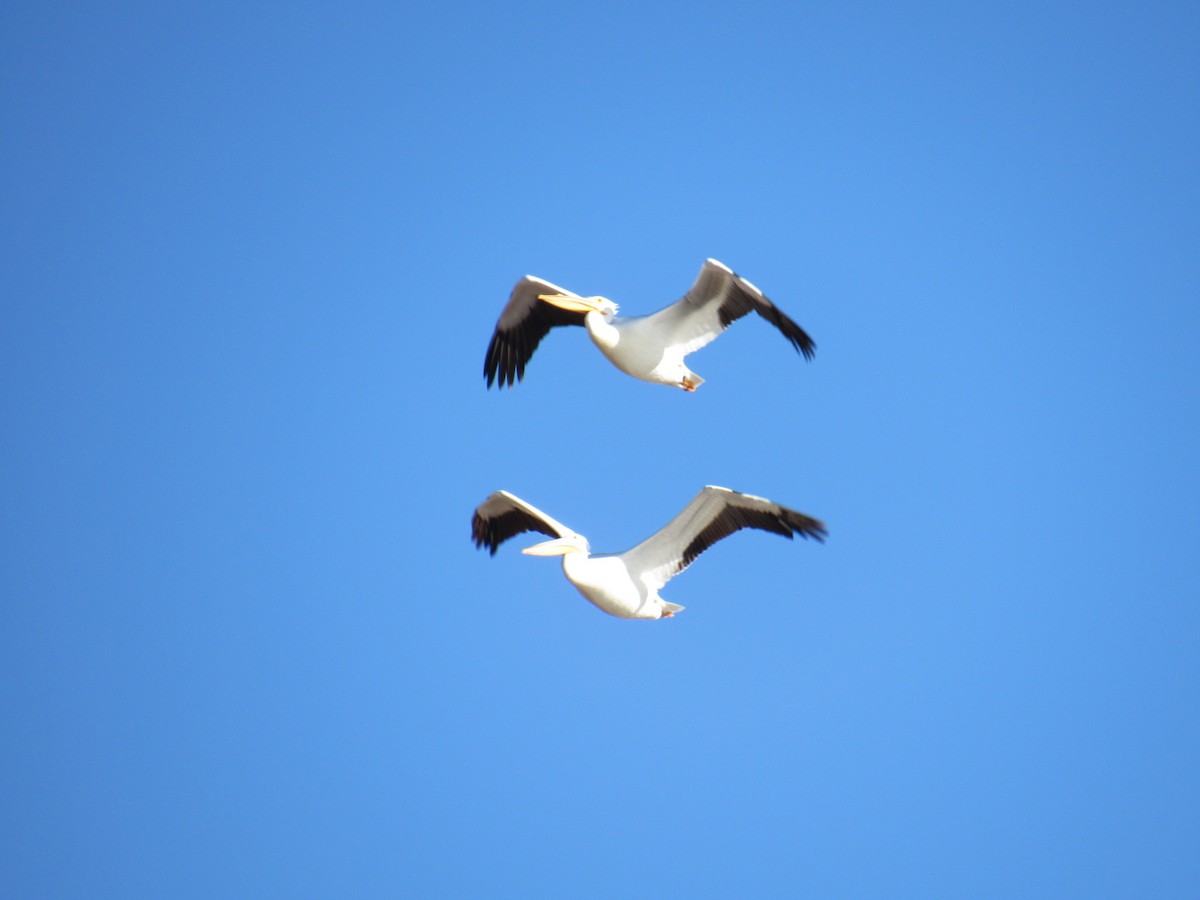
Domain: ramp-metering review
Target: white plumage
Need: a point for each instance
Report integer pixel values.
(651, 347)
(627, 584)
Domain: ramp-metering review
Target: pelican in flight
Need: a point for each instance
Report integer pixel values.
(626, 584)
(651, 347)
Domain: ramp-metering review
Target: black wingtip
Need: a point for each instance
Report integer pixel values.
(807, 346)
(808, 527)
(797, 336)
(482, 535)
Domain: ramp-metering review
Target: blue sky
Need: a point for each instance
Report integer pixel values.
(252, 256)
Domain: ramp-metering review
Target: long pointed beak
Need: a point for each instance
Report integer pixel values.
(572, 303)
(556, 547)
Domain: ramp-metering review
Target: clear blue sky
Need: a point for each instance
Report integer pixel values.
(251, 258)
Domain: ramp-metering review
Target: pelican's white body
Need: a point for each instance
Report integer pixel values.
(636, 345)
(605, 582)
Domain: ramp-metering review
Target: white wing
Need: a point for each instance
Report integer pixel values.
(718, 298)
(521, 327)
(715, 513)
(503, 515)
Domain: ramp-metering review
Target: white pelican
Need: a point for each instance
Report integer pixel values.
(626, 584)
(651, 347)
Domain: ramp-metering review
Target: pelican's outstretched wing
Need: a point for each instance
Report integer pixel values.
(521, 327)
(503, 515)
(715, 513)
(718, 298)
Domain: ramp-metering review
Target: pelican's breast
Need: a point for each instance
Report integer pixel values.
(605, 581)
(631, 344)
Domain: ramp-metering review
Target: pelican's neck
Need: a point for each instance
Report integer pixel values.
(602, 330)
(573, 562)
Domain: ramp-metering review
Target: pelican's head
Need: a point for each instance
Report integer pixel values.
(575, 543)
(601, 305)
